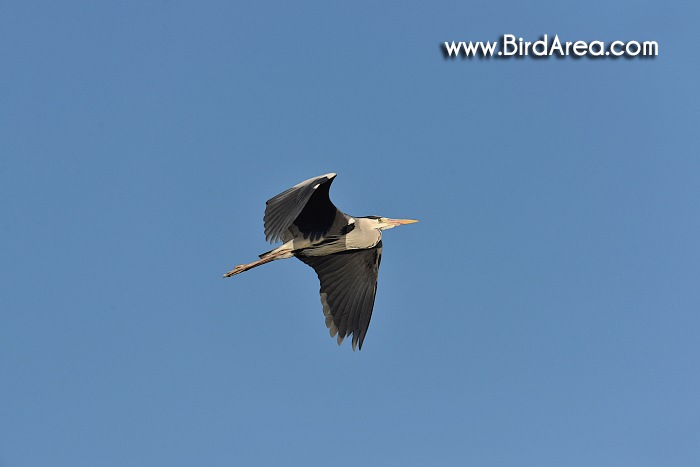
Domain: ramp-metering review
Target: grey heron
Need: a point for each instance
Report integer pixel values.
(345, 251)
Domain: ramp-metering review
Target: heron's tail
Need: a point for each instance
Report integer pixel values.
(262, 255)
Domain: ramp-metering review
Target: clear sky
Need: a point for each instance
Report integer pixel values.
(544, 312)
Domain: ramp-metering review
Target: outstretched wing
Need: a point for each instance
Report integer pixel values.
(306, 206)
(348, 287)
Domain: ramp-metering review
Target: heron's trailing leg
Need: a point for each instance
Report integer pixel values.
(271, 256)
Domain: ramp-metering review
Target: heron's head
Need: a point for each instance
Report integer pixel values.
(385, 223)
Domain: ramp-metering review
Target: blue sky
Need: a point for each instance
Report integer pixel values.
(543, 312)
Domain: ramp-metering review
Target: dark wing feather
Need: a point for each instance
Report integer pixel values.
(348, 287)
(306, 206)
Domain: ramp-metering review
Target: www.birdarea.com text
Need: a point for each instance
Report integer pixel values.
(510, 46)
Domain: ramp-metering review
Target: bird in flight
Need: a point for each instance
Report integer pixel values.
(345, 252)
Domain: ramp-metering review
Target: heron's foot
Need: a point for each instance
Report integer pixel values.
(237, 270)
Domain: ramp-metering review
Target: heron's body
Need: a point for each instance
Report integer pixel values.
(361, 236)
(344, 251)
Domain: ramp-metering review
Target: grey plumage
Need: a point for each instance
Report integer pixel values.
(344, 251)
(306, 205)
(348, 287)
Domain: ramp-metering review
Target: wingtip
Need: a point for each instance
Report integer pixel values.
(356, 343)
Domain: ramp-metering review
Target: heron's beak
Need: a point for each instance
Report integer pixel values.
(402, 221)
